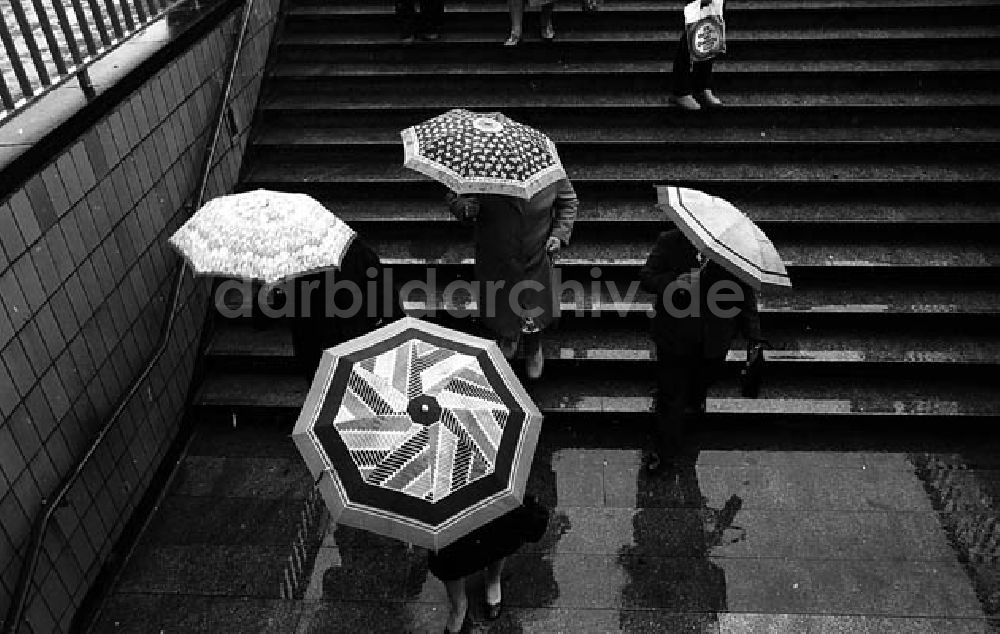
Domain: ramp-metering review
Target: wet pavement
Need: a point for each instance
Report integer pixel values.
(816, 532)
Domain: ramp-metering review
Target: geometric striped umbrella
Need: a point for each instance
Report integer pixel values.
(263, 235)
(418, 432)
(724, 234)
(482, 153)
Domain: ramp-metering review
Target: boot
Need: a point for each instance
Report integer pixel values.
(709, 100)
(685, 102)
(535, 361)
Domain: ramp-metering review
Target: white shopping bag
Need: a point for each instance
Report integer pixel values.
(705, 30)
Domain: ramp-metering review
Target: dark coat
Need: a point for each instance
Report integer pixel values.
(706, 334)
(510, 247)
(316, 325)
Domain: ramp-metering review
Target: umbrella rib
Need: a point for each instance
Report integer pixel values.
(695, 219)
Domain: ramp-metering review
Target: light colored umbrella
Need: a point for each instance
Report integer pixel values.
(418, 432)
(724, 234)
(263, 235)
(482, 153)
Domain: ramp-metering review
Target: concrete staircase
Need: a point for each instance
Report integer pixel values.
(862, 135)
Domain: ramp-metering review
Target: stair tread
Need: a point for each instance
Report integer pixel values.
(570, 100)
(520, 68)
(927, 35)
(773, 212)
(925, 300)
(593, 343)
(651, 6)
(868, 300)
(236, 390)
(618, 134)
(685, 170)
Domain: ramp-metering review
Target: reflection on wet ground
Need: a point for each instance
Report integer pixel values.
(830, 533)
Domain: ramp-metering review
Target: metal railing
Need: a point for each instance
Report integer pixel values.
(19, 599)
(49, 42)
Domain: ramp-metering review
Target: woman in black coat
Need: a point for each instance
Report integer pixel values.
(326, 312)
(485, 548)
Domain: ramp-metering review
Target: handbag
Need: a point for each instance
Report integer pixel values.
(753, 370)
(705, 30)
(533, 518)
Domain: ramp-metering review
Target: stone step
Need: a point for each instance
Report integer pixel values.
(357, 138)
(366, 214)
(682, 170)
(560, 105)
(645, 44)
(237, 343)
(861, 303)
(251, 395)
(365, 17)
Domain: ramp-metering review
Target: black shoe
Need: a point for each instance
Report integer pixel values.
(493, 610)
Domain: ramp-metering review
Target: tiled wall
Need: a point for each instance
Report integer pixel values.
(85, 273)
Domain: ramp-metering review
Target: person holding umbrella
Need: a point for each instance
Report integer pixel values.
(506, 178)
(516, 244)
(702, 274)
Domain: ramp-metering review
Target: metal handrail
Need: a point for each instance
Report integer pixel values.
(15, 613)
(93, 32)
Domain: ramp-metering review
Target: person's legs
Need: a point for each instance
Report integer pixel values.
(535, 356)
(681, 77)
(516, 8)
(406, 14)
(548, 31)
(459, 604)
(673, 377)
(431, 18)
(494, 595)
(702, 84)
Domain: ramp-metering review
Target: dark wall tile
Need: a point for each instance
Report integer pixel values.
(84, 168)
(41, 258)
(95, 152)
(41, 202)
(70, 177)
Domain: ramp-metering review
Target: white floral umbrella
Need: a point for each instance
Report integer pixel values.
(263, 235)
(477, 153)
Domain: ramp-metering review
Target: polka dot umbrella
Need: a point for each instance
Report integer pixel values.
(263, 235)
(476, 153)
(418, 432)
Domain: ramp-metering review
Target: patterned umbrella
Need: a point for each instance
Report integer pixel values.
(724, 234)
(476, 153)
(263, 235)
(425, 433)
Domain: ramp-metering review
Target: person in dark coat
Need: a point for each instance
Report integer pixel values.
(324, 314)
(516, 242)
(691, 336)
(692, 81)
(485, 548)
(426, 25)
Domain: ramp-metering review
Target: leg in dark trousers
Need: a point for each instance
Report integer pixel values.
(428, 22)
(706, 372)
(690, 78)
(675, 377)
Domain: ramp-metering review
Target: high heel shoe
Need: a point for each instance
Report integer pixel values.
(513, 40)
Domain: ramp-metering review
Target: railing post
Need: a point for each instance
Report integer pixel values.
(88, 88)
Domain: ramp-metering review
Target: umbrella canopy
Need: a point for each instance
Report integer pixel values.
(263, 235)
(418, 432)
(724, 234)
(474, 153)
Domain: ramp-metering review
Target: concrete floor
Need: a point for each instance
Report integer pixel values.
(803, 535)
